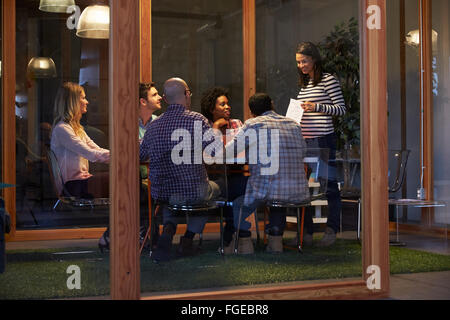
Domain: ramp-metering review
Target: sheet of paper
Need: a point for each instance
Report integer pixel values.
(295, 111)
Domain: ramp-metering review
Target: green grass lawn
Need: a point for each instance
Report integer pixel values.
(41, 274)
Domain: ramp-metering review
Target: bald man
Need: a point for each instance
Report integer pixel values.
(172, 181)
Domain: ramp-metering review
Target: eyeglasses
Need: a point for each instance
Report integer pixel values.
(188, 91)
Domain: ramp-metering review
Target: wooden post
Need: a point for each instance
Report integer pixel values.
(145, 21)
(124, 183)
(249, 48)
(375, 234)
(8, 108)
(426, 98)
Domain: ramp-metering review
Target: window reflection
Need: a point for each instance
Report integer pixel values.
(206, 51)
(201, 42)
(49, 54)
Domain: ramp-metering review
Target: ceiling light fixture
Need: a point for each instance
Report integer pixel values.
(55, 5)
(94, 22)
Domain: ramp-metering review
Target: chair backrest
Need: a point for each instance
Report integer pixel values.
(55, 172)
(350, 174)
(318, 170)
(398, 160)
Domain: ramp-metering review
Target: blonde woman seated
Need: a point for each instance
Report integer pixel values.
(73, 147)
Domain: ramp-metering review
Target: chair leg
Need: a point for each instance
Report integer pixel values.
(299, 246)
(200, 239)
(222, 251)
(266, 216)
(152, 225)
(302, 227)
(236, 233)
(257, 227)
(56, 204)
(145, 239)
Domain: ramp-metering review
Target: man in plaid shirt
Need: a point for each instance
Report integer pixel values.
(282, 178)
(177, 174)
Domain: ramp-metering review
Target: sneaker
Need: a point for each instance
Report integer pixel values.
(245, 246)
(103, 243)
(275, 244)
(164, 246)
(329, 237)
(186, 248)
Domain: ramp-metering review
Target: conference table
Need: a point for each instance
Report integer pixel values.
(417, 203)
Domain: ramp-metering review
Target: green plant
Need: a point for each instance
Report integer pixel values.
(340, 52)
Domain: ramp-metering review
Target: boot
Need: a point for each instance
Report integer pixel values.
(186, 248)
(275, 244)
(329, 237)
(245, 246)
(162, 252)
(103, 242)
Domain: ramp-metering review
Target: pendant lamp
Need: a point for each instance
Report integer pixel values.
(55, 5)
(413, 39)
(94, 22)
(41, 67)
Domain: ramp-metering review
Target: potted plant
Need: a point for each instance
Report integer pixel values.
(340, 52)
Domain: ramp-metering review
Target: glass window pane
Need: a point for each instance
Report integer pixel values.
(441, 104)
(54, 152)
(332, 26)
(206, 57)
(405, 123)
(201, 42)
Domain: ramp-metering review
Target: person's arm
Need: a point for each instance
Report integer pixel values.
(74, 143)
(243, 141)
(144, 147)
(333, 89)
(212, 143)
(94, 146)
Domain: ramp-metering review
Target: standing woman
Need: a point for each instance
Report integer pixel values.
(322, 99)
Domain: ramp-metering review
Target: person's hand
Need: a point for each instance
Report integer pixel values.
(220, 123)
(105, 157)
(308, 106)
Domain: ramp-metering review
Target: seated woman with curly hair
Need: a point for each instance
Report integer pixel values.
(215, 107)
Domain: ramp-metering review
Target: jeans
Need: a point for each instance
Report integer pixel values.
(277, 218)
(195, 224)
(333, 194)
(237, 183)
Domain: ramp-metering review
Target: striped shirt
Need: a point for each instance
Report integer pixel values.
(327, 95)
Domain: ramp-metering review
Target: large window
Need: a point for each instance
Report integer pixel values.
(201, 42)
(441, 106)
(50, 53)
